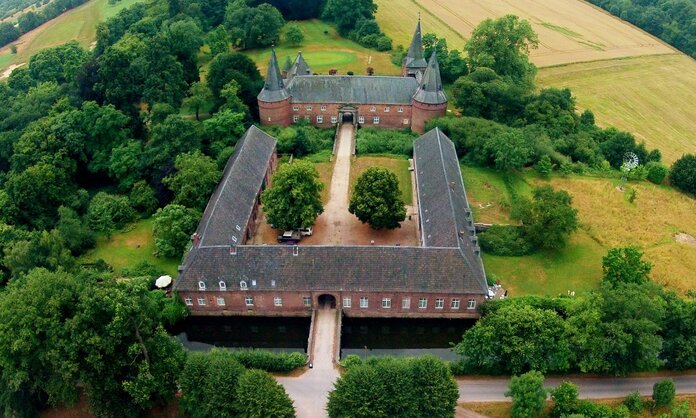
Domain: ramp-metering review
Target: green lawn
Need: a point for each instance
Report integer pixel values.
(398, 164)
(324, 49)
(129, 247)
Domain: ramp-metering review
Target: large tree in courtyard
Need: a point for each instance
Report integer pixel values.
(293, 200)
(377, 199)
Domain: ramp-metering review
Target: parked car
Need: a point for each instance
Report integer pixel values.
(290, 237)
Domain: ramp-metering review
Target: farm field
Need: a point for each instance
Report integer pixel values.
(324, 49)
(651, 97)
(569, 30)
(78, 24)
(606, 220)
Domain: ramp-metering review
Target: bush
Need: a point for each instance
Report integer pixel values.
(505, 240)
(663, 393)
(683, 174)
(259, 395)
(142, 198)
(269, 361)
(384, 141)
(634, 402)
(528, 394)
(565, 399)
(656, 172)
(107, 212)
(302, 138)
(351, 360)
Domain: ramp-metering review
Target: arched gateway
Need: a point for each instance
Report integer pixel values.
(326, 301)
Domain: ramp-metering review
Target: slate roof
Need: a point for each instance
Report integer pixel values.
(273, 88)
(229, 208)
(430, 88)
(414, 58)
(299, 67)
(345, 268)
(352, 89)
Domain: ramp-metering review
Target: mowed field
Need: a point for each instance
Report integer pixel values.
(78, 24)
(569, 30)
(652, 97)
(606, 220)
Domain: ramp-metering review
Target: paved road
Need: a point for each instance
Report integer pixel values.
(490, 390)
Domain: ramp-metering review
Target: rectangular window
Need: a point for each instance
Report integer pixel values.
(320, 119)
(220, 301)
(201, 301)
(188, 301)
(439, 303)
(347, 302)
(295, 118)
(308, 108)
(375, 120)
(401, 109)
(363, 302)
(454, 304)
(406, 303)
(249, 300)
(386, 109)
(295, 108)
(471, 304)
(373, 108)
(323, 108)
(334, 119)
(278, 301)
(361, 119)
(307, 301)
(405, 121)
(422, 303)
(386, 303)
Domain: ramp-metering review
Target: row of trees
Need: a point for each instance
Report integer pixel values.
(32, 19)
(355, 19)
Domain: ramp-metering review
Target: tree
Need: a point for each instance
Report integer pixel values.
(435, 391)
(293, 200)
(679, 332)
(125, 164)
(656, 172)
(77, 236)
(236, 66)
(199, 95)
(172, 229)
(548, 219)
(294, 35)
(142, 198)
(544, 166)
(634, 402)
(39, 249)
(485, 94)
(625, 265)
(503, 45)
(565, 399)
(59, 64)
(196, 176)
(217, 41)
(170, 138)
(253, 27)
(510, 150)
(107, 212)
(683, 173)
(8, 33)
(663, 393)
(223, 130)
(346, 13)
(377, 200)
(260, 396)
(528, 394)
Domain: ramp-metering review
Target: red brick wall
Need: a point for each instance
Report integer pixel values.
(424, 112)
(275, 113)
(293, 304)
(387, 119)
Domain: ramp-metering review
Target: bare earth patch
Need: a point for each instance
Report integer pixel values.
(9, 70)
(685, 239)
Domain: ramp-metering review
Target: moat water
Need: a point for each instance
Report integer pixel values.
(360, 336)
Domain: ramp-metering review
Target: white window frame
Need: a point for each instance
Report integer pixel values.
(295, 108)
(361, 119)
(386, 303)
(386, 109)
(405, 121)
(249, 300)
(455, 303)
(347, 302)
(375, 120)
(406, 303)
(422, 303)
(401, 109)
(364, 302)
(277, 301)
(223, 285)
(220, 301)
(439, 303)
(243, 285)
(471, 304)
(201, 301)
(188, 301)
(373, 108)
(320, 119)
(307, 301)
(201, 285)
(295, 118)
(334, 119)
(323, 108)
(308, 108)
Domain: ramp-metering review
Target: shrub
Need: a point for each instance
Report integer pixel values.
(528, 394)
(544, 166)
(107, 212)
(638, 173)
(269, 361)
(565, 398)
(384, 141)
(505, 240)
(142, 198)
(351, 360)
(683, 174)
(663, 393)
(259, 395)
(656, 172)
(633, 402)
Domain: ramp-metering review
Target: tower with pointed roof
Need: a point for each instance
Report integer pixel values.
(274, 100)
(429, 100)
(414, 63)
(299, 67)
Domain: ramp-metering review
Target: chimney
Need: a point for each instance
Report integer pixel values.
(195, 240)
(233, 250)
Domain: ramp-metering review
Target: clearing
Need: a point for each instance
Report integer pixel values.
(569, 30)
(651, 97)
(129, 247)
(78, 24)
(606, 219)
(324, 49)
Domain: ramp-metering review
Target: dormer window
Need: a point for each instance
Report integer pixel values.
(273, 283)
(253, 283)
(223, 285)
(201, 285)
(243, 285)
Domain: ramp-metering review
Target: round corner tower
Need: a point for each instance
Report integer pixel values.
(275, 106)
(430, 100)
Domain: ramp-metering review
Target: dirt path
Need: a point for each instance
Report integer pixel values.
(309, 391)
(9, 70)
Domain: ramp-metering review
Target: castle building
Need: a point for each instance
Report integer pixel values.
(402, 102)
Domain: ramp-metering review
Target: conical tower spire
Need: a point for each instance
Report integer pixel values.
(273, 88)
(430, 89)
(300, 67)
(414, 58)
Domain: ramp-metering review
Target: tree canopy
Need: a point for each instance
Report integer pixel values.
(548, 219)
(377, 200)
(293, 200)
